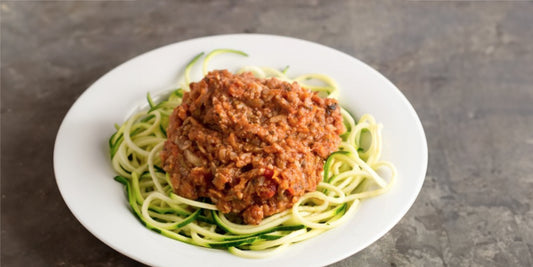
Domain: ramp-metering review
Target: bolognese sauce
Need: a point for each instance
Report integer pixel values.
(252, 146)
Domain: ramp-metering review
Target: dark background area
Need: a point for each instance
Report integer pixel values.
(466, 66)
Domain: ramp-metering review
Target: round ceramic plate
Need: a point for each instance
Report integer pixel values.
(85, 176)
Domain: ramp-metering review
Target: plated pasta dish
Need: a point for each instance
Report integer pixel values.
(249, 161)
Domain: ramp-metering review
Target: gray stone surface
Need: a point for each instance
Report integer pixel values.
(467, 67)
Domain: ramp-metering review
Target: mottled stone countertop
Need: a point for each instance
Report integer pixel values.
(466, 66)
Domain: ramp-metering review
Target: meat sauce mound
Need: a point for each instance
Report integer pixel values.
(252, 146)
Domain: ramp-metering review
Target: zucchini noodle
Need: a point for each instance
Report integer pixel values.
(350, 175)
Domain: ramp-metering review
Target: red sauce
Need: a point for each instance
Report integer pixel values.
(253, 146)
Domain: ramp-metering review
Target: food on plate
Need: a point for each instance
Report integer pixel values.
(252, 146)
(249, 162)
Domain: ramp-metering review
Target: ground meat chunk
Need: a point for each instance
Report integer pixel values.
(253, 146)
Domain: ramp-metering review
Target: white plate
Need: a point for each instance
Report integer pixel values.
(85, 177)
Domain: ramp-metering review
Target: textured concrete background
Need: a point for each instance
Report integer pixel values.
(467, 67)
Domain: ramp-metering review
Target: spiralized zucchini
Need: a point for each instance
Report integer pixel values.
(350, 175)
